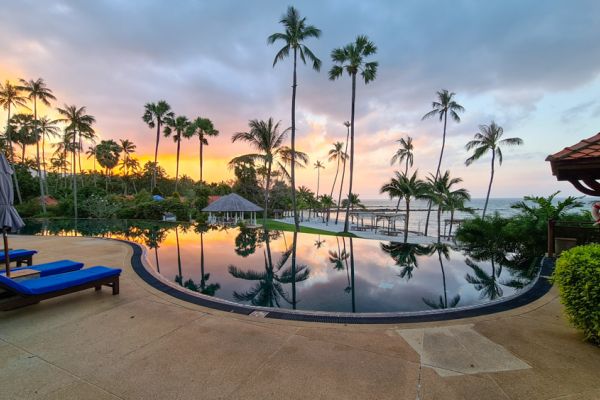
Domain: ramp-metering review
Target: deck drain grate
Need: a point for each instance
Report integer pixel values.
(259, 314)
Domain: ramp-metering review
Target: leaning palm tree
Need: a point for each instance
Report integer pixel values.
(10, 97)
(440, 108)
(488, 139)
(77, 121)
(265, 137)
(155, 115)
(37, 90)
(407, 188)
(337, 213)
(296, 32)
(404, 153)
(179, 128)
(336, 154)
(351, 58)
(203, 128)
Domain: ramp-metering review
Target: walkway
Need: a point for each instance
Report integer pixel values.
(144, 344)
(332, 227)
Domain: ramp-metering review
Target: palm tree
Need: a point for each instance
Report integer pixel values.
(155, 115)
(108, 153)
(327, 202)
(178, 127)
(488, 139)
(336, 154)
(408, 188)
(441, 107)
(439, 190)
(10, 96)
(337, 213)
(351, 58)
(296, 32)
(46, 128)
(318, 165)
(404, 153)
(455, 201)
(91, 153)
(265, 137)
(37, 90)
(77, 121)
(128, 164)
(285, 161)
(203, 128)
(488, 285)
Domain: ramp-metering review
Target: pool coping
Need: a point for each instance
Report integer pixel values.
(535, 290)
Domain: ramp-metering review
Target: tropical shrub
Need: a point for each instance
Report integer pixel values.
(100, 206)
(577, 276)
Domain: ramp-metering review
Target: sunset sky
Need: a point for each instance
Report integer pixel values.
(532, 66)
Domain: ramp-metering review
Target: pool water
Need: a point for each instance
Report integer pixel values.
(335, 274)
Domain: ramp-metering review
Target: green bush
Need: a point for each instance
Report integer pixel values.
(577, 275)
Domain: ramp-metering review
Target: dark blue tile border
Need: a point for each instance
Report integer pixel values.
(540, 288)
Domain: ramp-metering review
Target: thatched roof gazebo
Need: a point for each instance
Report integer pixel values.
(580, 165)
(231, 209)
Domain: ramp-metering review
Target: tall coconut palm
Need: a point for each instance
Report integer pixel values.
(444, 104)
(352, 59)
(296, 32)
(47, 128)
(408, 188)
(404, 153)
(318, 165)
(91, 153)
(77, 120)
(203, 128)
(128, 163)
(155, 115)
(179, 128)
(439, 189)
(38, 91)
(108, 153)
(337, 213)
(10, 97)
(336, 154)
(267, 139)
(488, 139)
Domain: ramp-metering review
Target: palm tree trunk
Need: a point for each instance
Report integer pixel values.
(37, 142)
(202, 282)
(443, 279)
(267, 184)
(406, 221)
(153, 181)
(293, 168)
(294, 243)
(437, 172)
(337, 214)
(201, 158)
(178, 255)
(44, 161)
(337, 170)
(318, 184)
(451, 223)
(487, 197)
(74, 176)
(352, 269)
(177, 163)
(347, 220)
(439, 216)
(79, 159)
(11, 157)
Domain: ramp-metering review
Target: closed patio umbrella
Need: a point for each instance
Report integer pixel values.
(9, 218)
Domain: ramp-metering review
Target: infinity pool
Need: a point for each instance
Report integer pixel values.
(333, 274)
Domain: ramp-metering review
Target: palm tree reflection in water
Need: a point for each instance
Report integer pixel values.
(269, 289)
(442, 302)
(405, 256)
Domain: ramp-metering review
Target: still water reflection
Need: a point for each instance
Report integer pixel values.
(311, 272)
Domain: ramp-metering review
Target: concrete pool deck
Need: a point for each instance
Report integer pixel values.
(145, 344)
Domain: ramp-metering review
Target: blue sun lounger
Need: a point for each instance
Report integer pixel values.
(19, 256)
(53, 268)
(33, 291)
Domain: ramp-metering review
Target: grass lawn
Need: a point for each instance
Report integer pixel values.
(282, 226)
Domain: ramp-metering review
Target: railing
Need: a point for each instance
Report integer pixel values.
(580, 232)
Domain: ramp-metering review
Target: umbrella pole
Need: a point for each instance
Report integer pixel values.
(6, 255)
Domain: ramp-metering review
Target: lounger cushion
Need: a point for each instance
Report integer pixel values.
(53, 268)
(57, 282)
(18, 253)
